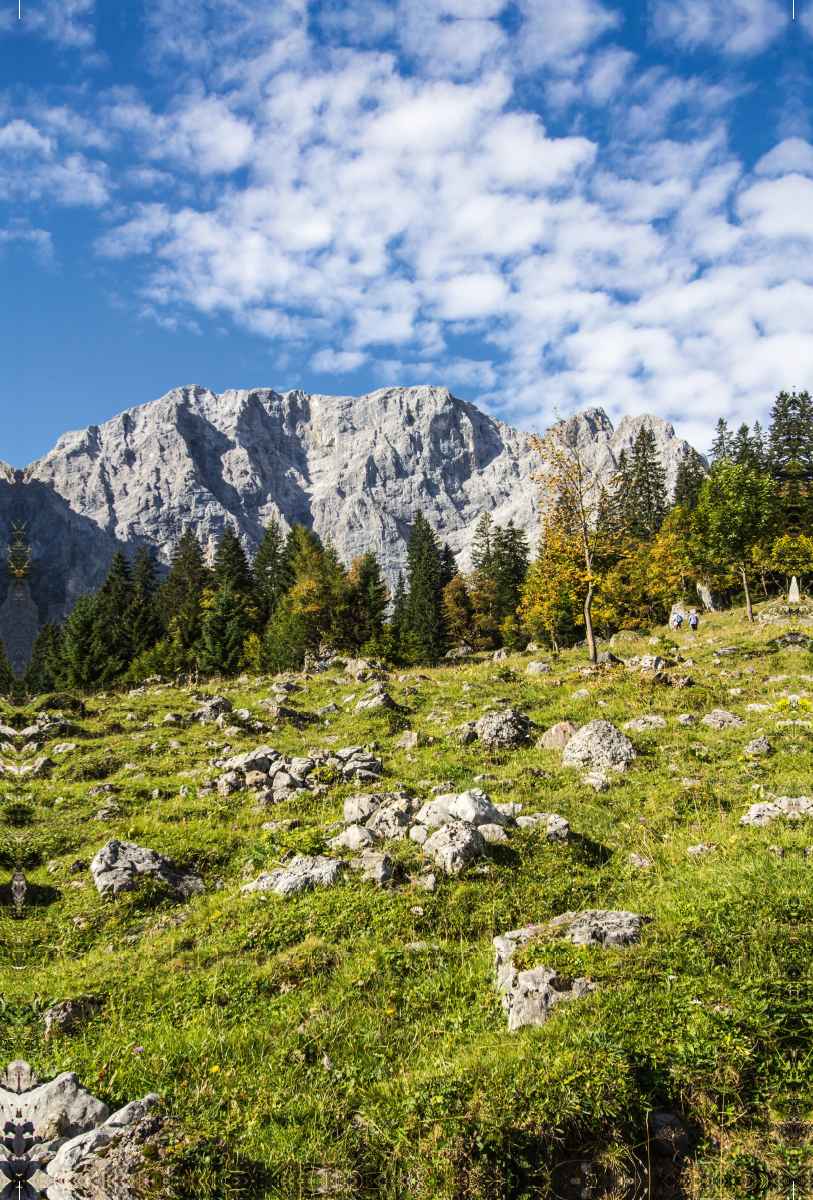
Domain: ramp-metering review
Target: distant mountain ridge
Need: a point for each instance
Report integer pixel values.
(354, 467)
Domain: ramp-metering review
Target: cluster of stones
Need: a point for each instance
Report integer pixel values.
(277, 778)
(60, 1142)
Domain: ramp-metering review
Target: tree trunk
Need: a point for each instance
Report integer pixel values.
(747, 595)
(588, 623)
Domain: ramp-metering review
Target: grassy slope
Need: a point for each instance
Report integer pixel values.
(230, 1014)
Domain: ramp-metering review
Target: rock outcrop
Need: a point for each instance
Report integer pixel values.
(357, 467)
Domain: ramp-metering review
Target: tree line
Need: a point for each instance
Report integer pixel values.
(268, 614)
(622, 554)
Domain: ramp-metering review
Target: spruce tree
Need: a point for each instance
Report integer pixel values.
(721, 446)
(269, 567)
(511, 559)
(230, 566)
(648, 503)
(222, 633)
(373, 594)
(448, 564)
(399, 604)
(144, 621)
(482, 550)
(620, 491)
(179, 596)
(42, 669)
(76, 663)
(790, 458)
(690, 476)
(8, 679)
(111, 643)
(302, 557)
(424, 623)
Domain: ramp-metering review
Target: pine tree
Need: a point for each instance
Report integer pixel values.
(689, 481)
(111, 643)
(648, 503)
(424, 625)
(42, 669)
(790, 458)
(759, 451)
(231, 567)
(76, 664)
(269, 567)
(179, 596)
(223, 633)
(511, 560)
(721, 446)
(482, 551)
(144, 622)
(8, 679)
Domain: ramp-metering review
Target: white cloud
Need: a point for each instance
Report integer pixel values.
(65, 22)
(793, 154)
(737, 27)
(337, 362)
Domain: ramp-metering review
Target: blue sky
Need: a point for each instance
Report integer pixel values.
(537, 204)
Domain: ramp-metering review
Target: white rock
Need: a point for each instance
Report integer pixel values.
(452, 846)
(493, 834)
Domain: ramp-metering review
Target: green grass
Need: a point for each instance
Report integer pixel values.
(230, 1012)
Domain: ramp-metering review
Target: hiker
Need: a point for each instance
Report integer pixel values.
(678, 619)
(693, 621)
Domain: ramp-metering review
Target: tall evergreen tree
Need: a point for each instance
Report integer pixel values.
(689, 481)
(223, 633)
(448, 564)
(620, 491)
(482, 549)
(8, 679)
(425, 622)
(511, 560)
(269, 567)
(302, 556)
(144, 621)
(230, 566)
(399, 605)
(721, 446)
(76, 663)
(790, 458)
(648, 501)
(179, 596)
(111, 643)
(42, 669)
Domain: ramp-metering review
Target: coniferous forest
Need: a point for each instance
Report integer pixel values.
(740, 530)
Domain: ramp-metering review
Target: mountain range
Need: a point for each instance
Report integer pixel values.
(352, 467)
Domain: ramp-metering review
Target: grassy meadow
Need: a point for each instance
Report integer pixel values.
(350, 1041)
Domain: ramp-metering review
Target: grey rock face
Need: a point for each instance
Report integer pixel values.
(358, 467)
(601, 745)
(121, 866)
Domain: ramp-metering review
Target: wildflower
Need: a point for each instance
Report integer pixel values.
(138, 1049)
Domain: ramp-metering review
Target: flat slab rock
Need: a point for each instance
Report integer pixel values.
(601, 745)
(122, 867)
(641, 724)
(763, 812)
(68, 1126)
(300, 875)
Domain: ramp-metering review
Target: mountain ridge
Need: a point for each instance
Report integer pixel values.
(354, 467)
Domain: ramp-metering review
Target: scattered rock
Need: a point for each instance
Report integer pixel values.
(63, 748)
(686, 719)
(376, 867)
(452, 846)
(557, 829)
(599, 744)
(558, 736)
(608, 928)
(764, 811)
(718, 718)
(606, 659)
(639, 862)
(759, 745)
(581, 694)
(354, 837)
(68, 1013)
(503, 729)
(702, 848)
(121, 866)
(640, 724)
(302, 873)
(538, 668)
(528, 996)
(409, 740)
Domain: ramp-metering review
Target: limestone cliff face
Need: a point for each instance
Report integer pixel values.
(356, 468)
